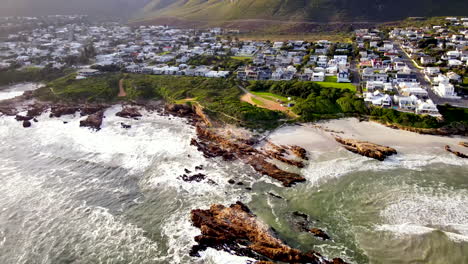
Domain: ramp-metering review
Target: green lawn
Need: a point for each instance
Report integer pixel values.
(240, 58)
(338, 85)
(257, 102)
(331, 79)
(270, 96)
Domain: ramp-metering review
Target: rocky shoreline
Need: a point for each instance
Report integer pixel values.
(237, 230)
(366, 149)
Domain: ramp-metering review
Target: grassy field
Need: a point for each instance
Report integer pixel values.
(338, 85)
(270, 96)
(241, 58)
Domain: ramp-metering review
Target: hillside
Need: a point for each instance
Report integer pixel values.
(109, 8)
(221, 11)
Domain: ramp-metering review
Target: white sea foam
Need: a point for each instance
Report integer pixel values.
(17, 90)
(423, 211)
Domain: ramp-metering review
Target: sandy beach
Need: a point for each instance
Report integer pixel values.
(320, 137)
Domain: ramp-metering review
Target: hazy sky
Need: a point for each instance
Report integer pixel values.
(49, 7)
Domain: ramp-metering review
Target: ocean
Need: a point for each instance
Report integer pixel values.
(73, 195)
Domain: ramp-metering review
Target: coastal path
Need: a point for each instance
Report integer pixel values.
(122, 92)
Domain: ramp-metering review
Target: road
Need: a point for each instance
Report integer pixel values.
(356, 76)
(425, 83)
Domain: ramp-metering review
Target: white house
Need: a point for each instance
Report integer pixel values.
(445, 89)
(318, 77)
(378, 99)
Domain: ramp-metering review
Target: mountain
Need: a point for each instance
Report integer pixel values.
(108, 8)
(215, 11)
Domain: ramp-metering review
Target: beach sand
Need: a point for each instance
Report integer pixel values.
(320, 137)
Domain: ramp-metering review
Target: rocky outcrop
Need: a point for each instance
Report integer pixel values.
(456, 153)
(212, 145)
(299, 152)
(23, 118)
(129, 112)
(367, 149)
(180, 110)
(60, 110)
(319, 233)
(93, 121)
(91, 109)
(237, 230)
(26, 123)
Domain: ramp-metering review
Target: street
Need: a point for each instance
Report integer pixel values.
(426, 84)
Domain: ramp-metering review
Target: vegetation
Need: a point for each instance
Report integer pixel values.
(225, 63)
(12, 76)
(392, 116)
(220, 97)
(313, 101)
(299, 10)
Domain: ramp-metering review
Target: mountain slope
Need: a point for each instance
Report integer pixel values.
(115, 8)
(301, 10)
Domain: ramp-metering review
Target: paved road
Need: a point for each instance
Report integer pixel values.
(356, 75)
(425, 83)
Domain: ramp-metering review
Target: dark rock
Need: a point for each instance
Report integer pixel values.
(197, 177)
(240, 183)
(65, 122)
(91, 109)
(187, 171)
(231, 181)
(26, 123)
(275, 195)
(210, 181)
(236, 230)
(35, 120)
(125, 126)
(200, 167)
(129, 112)
(23, 118)
(367, 149)
(319, 233)
(93, 121)
(248, 188)
(456, 153)
(60, 110)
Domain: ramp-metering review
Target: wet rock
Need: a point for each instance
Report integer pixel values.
(23, 118)
(210, 181)
(65, 122)
(236, 230)
(125, 126)
(275, 195)
(248, 188)
(187, 171)
(91, 109)
(299, 152)
(213, 145)
(367, 149)
(200, 167)
(26, 123)
(129, 112)
(36, 109)
(231, 181)
(181, 110)
(456, 153)
(197, 177)
(240, 183)
(93, 121)
(35, 120)
(60, 110)
(319, 233)
(277, 156)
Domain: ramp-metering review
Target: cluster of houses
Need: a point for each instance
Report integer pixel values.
(396, 67)
(397, 73)
(298, 60)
